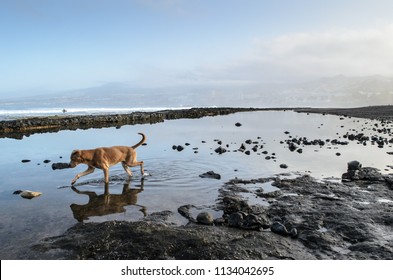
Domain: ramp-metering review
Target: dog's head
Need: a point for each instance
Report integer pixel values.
(76, 158)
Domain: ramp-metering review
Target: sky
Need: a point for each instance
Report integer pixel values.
(70, 44)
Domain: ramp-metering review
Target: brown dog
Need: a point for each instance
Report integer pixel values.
(105, 157)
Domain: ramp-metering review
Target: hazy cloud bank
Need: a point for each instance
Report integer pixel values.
(305, 56)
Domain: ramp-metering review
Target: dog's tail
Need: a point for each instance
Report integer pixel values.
(140, 142)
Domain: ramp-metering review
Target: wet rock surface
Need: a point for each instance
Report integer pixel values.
(302, 219)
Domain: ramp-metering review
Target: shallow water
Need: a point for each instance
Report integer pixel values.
(174, 176)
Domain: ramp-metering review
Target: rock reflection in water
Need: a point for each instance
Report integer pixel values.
(106, 203)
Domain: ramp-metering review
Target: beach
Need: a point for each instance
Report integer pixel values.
(222, 183)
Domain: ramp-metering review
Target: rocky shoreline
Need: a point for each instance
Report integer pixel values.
(19, 128)
(382, 113)
(301, 218)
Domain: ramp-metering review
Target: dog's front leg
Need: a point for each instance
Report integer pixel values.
(106, 175)
(89, 170)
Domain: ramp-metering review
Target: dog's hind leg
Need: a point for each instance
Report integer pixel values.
(133, 164)
(126, 169)
(89, 170)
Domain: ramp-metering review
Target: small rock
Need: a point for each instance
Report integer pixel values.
(238, 124)
(292, 146)
(27, 194)
(293, 232)
(354, 165)
(255, 222)
(180, 148)
(279, 228)
(220, 150)
(205, 218)
(185, 211)
(211, 174)
(60, 165)
(47, 161)
(219, 221)
(242, 147)
(283, 165)
(235, 219)
(26, 160)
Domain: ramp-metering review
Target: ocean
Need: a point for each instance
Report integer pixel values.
(103, 102)
(10, 114)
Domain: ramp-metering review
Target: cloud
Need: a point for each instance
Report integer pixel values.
(301, 56)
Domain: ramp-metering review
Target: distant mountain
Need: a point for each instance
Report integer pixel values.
(337, 91)
(345, 91)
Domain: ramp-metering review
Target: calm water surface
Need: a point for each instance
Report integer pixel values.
(174, 176)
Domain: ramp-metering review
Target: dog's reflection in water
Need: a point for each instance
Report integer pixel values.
(106, 203)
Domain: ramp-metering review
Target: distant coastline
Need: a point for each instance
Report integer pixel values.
(17, 128)
(383, 112)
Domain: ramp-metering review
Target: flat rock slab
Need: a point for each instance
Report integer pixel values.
(305, 219)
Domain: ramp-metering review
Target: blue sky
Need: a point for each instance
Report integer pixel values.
(63, 45)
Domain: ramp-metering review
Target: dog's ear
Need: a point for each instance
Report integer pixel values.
(75, 153)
